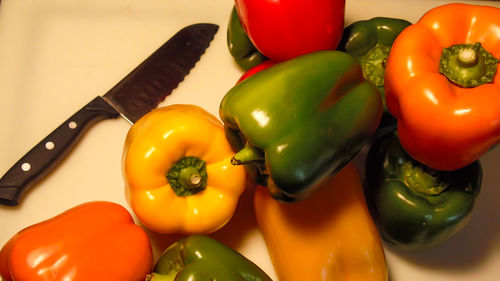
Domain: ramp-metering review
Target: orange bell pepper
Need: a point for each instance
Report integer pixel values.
(92, 241)
(444, 88)
(178, 172)
(327, 236)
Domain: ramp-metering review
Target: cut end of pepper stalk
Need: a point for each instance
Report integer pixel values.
(468, 65)
(159, 277)
(421, 180)
(188, 176)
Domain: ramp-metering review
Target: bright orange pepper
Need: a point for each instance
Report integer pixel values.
(178, 172)
(92, 241)
(446, 121)
(327, 236)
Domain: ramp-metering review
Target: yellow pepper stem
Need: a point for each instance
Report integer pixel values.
(188, 176)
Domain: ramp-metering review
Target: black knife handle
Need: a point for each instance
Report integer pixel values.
(45, 156)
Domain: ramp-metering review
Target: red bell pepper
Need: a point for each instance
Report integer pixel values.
(442, 83)
(92, 241)
(255, 69)
(283, 29)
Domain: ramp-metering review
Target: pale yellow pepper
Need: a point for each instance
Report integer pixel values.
(177, 170)
(328, 236)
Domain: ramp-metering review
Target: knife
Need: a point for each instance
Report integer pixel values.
(135, 95)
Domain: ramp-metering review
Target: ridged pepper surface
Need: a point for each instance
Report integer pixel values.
(201, 258)
(442, 82)
(414, 206)
(284, 29)
(92, 241)
(329, 236)
(177, 171)
(299, 121)
(239, 45)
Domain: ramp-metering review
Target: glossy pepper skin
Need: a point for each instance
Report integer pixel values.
(330, 113)
(370, 42)
(284, 29)
(415, 207)
(332, 234)
(177, 170)
(448, 108)
(255, 69)
(91, 241)
(201, 258)
(239, 45)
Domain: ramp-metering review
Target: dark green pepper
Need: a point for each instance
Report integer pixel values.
(301, 120)
(240, 47)
(201, 258)
(415, 207)
(370, 41)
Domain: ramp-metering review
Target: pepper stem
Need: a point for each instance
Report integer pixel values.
(247, 154)
(159, 277)
(422, 180)
(373, 64)
(188, 176)
(467, 57)
(468, 65)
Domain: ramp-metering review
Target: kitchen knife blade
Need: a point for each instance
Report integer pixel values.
(135, 95)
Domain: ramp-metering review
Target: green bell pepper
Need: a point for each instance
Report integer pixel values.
(240, 47)
(201, 258)
(415, 207)
(370, 41)
(301, 120)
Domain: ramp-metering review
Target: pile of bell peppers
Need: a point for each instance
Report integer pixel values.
(99, 240)
(304, 108)
(439, 91)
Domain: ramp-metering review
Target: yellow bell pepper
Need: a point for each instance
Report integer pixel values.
(329, 236)
(177, 171)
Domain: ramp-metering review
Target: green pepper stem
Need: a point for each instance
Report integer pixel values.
(468, 65)
(247, 154)
(373, 64)
(188, 176)
(422, 180)
(159, 277)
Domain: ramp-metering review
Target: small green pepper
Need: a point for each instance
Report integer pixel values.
(240, 47)
(301, 120)
(415, 207)
(370, 42)
(201, 258)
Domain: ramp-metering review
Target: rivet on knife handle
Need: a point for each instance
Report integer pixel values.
(135, 95)
(40, 160)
